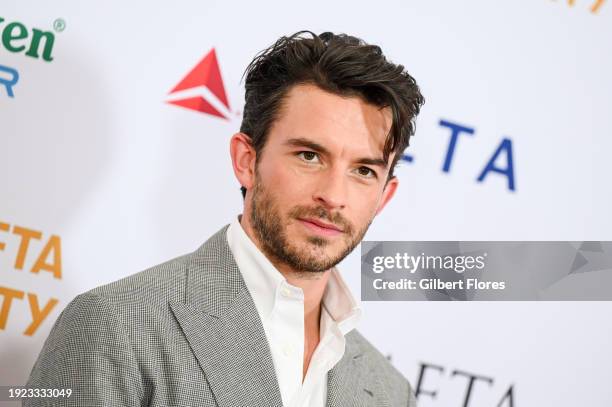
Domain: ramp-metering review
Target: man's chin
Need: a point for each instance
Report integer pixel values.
(317, 253)
(320, 245)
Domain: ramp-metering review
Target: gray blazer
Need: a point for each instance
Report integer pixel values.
(187, 333)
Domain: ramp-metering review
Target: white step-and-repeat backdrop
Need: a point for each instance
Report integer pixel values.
(107, 167)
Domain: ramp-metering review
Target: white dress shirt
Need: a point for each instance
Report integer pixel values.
(281, 308)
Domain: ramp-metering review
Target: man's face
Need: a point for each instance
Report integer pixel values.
(320, 179)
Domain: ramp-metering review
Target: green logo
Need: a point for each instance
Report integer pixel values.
(15, 37)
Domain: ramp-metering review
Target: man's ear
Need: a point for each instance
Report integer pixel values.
(243, 159)
(388, 192)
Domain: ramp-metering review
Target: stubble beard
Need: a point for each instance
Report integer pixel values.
(267, 223)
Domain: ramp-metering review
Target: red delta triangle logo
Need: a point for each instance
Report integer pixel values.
(202, 89)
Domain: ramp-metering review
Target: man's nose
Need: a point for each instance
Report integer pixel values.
(331, 190)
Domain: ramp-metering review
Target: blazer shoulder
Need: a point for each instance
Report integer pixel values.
(164, 281)
(391, 379)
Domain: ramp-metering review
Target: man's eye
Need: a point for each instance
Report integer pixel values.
(366, 172)
(308, 156)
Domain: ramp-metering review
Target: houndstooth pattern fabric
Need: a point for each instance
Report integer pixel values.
(187, 333)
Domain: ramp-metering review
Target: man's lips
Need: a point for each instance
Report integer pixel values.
(322, 224)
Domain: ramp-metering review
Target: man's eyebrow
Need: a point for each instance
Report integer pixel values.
(304, 142)
(379, 162)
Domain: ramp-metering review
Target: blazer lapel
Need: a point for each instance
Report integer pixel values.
(223, 328)
(348, 383)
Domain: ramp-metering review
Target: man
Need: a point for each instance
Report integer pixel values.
(259, 315)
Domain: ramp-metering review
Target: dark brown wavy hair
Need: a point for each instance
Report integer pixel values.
(337, 63)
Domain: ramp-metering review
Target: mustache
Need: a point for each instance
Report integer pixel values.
(323, 214)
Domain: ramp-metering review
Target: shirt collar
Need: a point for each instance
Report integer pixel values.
(264, 281)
